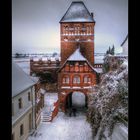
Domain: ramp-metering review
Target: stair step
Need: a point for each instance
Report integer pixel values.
(46, 115)
(47, 121)
(46, 118)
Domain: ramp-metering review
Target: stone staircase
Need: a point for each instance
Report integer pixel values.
(46, 115)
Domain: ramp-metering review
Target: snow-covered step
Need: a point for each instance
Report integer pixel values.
(46, 116)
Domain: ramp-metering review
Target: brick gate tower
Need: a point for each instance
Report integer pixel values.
(77, 72)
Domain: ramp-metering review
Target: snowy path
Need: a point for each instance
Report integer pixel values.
(63, 127)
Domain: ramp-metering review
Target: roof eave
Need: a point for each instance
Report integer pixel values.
(23, 90)
(77, 22)
(124, 41)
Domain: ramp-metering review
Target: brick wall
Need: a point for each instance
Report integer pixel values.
(75, 34)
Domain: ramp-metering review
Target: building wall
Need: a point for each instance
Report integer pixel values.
(73, 34)
(44, 66)
(70, 72)
(16, 127)
(25, 102)
(21, 116)
(76, 69)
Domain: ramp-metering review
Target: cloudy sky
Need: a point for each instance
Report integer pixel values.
(36, 29)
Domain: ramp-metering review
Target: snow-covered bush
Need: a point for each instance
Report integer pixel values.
(111, 63)
(110, 104)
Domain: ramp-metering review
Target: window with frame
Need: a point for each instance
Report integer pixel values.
(87, 79)
(29, 96)
(76, 79)
(30, 122)
(13, 136)
(21, 129)
(20, 103)
(66, 80)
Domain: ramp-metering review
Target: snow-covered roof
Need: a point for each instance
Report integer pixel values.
(98, 70)
(20, 80)
(35, 79)
(125, 40)
(77, 56)
(45, 58)
(77, 12)
(42, 91)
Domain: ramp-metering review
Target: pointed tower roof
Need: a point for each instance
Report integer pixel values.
(77, 12)
(77, 56)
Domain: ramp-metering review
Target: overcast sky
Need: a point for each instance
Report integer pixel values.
(35, 24)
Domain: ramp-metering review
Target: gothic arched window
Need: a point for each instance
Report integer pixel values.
(87, 79)
(76, 79)
(66, 80)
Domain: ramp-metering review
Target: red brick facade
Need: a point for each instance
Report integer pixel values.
(74, 35)
(78, 76)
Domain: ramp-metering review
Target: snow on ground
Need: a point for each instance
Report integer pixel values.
(120, 132)
(50, 98)
(63, 127)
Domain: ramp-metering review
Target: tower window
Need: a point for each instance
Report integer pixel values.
(65, 39)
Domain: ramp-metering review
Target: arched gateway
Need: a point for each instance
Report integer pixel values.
(76, 99)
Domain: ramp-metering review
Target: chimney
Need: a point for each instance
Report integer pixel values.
(92, 15)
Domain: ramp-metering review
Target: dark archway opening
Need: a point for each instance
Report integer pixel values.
(77, 100)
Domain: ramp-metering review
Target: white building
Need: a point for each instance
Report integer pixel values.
(124, 46)
(23, 104)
